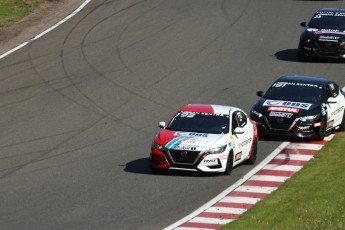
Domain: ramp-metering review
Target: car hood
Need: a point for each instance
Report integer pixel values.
(190, 140)
(325, 34)
(292, 109)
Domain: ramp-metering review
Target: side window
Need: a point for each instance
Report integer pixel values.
(241, 118)
(332, 90)
(234, 122)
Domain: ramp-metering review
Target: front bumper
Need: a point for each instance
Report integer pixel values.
(313, 50)
(307, 129)
(212, 163)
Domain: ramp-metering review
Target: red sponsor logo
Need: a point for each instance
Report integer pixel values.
(283, 109)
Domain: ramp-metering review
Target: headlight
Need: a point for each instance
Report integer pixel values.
(216, 150)
(342, 46)
(154, 145)
(256, 113)
(308, 118)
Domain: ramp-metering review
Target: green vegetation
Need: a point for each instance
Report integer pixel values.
(14, 10)
(314, 198)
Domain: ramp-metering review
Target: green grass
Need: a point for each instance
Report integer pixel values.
(14, 10)
(314, 198)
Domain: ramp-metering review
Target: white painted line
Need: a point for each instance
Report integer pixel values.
(328, 138)
(256, 189)
(269, 178)
(238, 211)
(48, 30)
(297, 157)
(240, 200)
(231, 188)
(187, 228)
(304, 146)
(283, 167)
(207, 220)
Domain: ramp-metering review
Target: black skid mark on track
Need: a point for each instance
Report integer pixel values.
(45, 153)
(120, 57)
(76, 134)
(210, 42)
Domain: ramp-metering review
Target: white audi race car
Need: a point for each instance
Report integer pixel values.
(205, 138)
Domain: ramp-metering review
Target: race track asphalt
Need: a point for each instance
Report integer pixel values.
(79, 106)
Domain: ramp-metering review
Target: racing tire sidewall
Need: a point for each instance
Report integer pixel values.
(253, 154)
(229, 163)
(154, 170)
(321, 132)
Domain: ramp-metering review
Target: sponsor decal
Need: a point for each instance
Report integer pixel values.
(283, 109)
(210, 161)
(224, 157)
(329, 32)
(181, 147)
(246, 142)
(192, 114)
(290, 104)
(303, 128)
(282, 84)
(190, 135)
(328, 38)
(238, 156)
(280, 114)
(323, 109)
(337, 111)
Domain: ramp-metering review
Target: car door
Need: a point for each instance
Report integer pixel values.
(242, 140)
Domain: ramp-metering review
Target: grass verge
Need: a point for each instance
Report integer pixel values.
(314, 198)
(14, 10)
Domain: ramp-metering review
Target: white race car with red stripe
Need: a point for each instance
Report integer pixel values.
(206, 138)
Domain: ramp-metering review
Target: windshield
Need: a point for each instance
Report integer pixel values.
(328, 20)
(200, 122)
(293, 91)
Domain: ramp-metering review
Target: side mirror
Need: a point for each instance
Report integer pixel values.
(332, 100)
(260, 93)
(239, 130)
(303, 24)
(161, 124)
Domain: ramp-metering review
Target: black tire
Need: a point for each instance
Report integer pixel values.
(229, 163)
(301, 57)
(254, 152)
(154, 170)
(342, 125)
(321, 132)
(262, 133)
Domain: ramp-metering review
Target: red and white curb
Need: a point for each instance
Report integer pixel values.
(265, 178)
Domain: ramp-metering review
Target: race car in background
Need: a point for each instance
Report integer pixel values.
(324, 35)
(205, 138)
(300, 106)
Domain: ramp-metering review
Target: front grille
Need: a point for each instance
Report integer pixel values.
(328, 47)
(279, 123)
(188, 157)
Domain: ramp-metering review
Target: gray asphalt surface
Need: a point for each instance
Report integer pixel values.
(80, 106)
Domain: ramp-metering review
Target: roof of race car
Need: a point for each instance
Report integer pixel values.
(330, 10)
(208, 108)
(304, 79)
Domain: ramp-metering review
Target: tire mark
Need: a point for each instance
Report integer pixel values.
(104, 111)
(57, 146)
(120, 58)
(208, 44)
